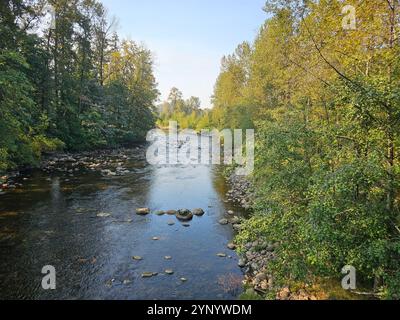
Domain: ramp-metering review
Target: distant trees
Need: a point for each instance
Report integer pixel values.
(71, 84)
(325, 104)
(187, 113)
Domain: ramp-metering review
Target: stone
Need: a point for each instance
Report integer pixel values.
(155, 238)
(183, 279)
(231, 246)
(159, 212)
(142, 211)
(172, 212)
(148, 274)
(168, 258)
(260, 277)
(231, 213)
(242, 263)
(237, 227)
(184, 215)
(137, 258)
(223, 222)
(169, 272)
(221, 255)
(235, 220)
(284, 293)
(103, 215)
(198, 212)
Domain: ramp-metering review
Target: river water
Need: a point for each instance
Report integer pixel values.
(84, 224)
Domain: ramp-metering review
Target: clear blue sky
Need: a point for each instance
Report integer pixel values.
(188, 38)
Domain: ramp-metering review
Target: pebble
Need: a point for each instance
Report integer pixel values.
(137, 258)
(103, 215)
(142, 211)
(148, 274)
(221, 255)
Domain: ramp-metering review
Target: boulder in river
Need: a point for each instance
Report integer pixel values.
(159, 212)
(172, 212)
(231, 246)
(137, 258)
(169, 272)
(148, 274)
(142, 211)
(242, 263)
(184, 215)
(198, 212)
(223, 222)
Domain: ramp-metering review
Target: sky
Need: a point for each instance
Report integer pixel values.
(188, 38)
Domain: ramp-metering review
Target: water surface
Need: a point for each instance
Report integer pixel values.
(53, 220)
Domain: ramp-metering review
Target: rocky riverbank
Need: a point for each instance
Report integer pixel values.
(106, 162)
(241, 191)
(259, 254)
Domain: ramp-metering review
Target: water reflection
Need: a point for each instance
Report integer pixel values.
(56, 222)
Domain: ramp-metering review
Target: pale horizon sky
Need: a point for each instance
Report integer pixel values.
(188, 38)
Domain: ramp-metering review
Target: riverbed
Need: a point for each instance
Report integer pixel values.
(81, 219)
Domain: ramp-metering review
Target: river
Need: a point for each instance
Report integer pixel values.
(84, 224)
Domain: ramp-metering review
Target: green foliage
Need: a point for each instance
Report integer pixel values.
(188, 114)
(325, 104)
(76, 86)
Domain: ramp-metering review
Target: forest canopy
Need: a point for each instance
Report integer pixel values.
(324, 99)
(68, 81)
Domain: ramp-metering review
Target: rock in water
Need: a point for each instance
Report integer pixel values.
(137, 258)
(159, 213)
(231, 246)
(198, 212)
(184, 215)
(221, 255)
(223, 222)
(169, 272)
(148, 274)
(103, 215)
(242, 263)
(142, 211)
(172, 212)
